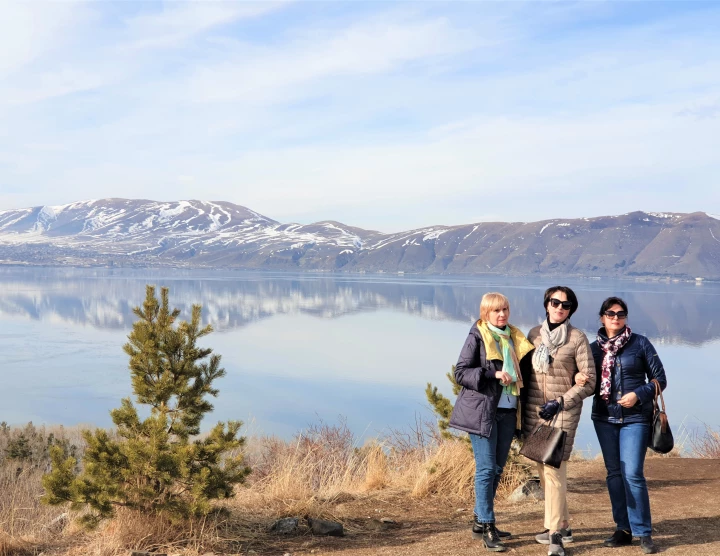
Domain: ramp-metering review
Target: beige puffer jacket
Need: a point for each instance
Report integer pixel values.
(575, 356)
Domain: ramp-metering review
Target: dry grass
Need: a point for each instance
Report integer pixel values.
(310, 475)
(706, 446)
(131, 530)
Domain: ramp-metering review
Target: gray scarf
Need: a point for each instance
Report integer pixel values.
(551, 342)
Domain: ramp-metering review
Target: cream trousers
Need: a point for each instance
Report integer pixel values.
(554, 484)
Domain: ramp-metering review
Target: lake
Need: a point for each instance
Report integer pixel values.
(301, 348)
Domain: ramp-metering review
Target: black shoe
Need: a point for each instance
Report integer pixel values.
(647, 545)
(619, 538)
(544, 537)
(556, 547)
(491, 539)
(477, 531)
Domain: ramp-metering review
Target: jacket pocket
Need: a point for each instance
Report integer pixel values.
(469, 409)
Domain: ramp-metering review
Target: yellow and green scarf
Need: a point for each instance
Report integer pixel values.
(492, 336)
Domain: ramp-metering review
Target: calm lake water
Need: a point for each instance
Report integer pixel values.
(299, 348)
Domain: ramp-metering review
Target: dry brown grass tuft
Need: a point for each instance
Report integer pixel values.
(377, 472)
(130, 530)
(448, 471)
(707, 445)
(516, 473)
(306, 474)
(24, 521)
(10, 546)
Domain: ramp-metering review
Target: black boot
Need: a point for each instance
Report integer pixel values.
(619, 538)
(491, 539)
(477, 531)
(647, 545)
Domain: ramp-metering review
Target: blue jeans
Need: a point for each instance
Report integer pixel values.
(623, 449)
(490, 457)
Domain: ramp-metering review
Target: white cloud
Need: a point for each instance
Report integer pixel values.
(266, 75)
(176, 22)
(419, 112)
(29, 30)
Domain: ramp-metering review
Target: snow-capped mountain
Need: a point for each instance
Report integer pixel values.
(223, 235)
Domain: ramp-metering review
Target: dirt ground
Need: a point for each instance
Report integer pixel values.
(684, 495)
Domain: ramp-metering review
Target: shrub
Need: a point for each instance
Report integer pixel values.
(516, 471)
(156, 465)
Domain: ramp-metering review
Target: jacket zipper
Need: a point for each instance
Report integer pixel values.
(622, 387)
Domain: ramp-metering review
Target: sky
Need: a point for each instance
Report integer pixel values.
(387, 116)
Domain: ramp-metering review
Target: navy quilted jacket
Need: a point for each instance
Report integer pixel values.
(476, 404)
(636, 364)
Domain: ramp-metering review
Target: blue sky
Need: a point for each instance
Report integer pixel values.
(381, 115)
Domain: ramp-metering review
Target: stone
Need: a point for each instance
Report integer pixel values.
(285, 526)
(324, 527)
(531, 490)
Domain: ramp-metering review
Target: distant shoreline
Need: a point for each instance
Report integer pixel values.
(655, 278)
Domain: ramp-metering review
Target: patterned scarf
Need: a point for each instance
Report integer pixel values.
(610, 346)
(551, 342)
(510, 360)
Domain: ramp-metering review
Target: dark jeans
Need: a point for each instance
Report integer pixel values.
(490, 457)
(623, 448)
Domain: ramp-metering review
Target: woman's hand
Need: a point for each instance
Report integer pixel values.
(581, 379)
(549, 409)
(628, 400)
(503, 377)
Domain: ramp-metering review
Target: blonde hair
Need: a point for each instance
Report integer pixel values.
(490, 302)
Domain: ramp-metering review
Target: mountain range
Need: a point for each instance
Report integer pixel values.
(134, 232)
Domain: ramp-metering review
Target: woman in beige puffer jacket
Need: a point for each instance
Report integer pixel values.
(561, 352)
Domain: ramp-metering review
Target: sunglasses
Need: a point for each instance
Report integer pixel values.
(567, 305)
(619, 314)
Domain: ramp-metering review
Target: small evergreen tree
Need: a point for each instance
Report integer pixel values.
(155, 465)
(443, 407)
(516, 470)
(19, 448)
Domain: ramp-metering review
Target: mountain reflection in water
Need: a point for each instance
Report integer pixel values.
(682, 313)
(298, 347)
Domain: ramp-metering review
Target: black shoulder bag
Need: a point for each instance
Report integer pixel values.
(546, 444)
(661, 437)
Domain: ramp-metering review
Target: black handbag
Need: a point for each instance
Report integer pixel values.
(661, 437)
(546, 444)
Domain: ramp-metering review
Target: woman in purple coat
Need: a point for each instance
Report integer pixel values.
(489, 371)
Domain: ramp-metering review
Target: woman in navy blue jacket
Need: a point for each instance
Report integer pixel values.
(622, 413)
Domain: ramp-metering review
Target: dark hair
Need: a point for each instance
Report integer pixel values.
(572, 298)
(609, 302)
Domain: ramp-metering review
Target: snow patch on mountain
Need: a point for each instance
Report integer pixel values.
(433, 235)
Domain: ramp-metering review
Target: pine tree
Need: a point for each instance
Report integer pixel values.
(515, 467)
(157, 464)
(443, 407)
